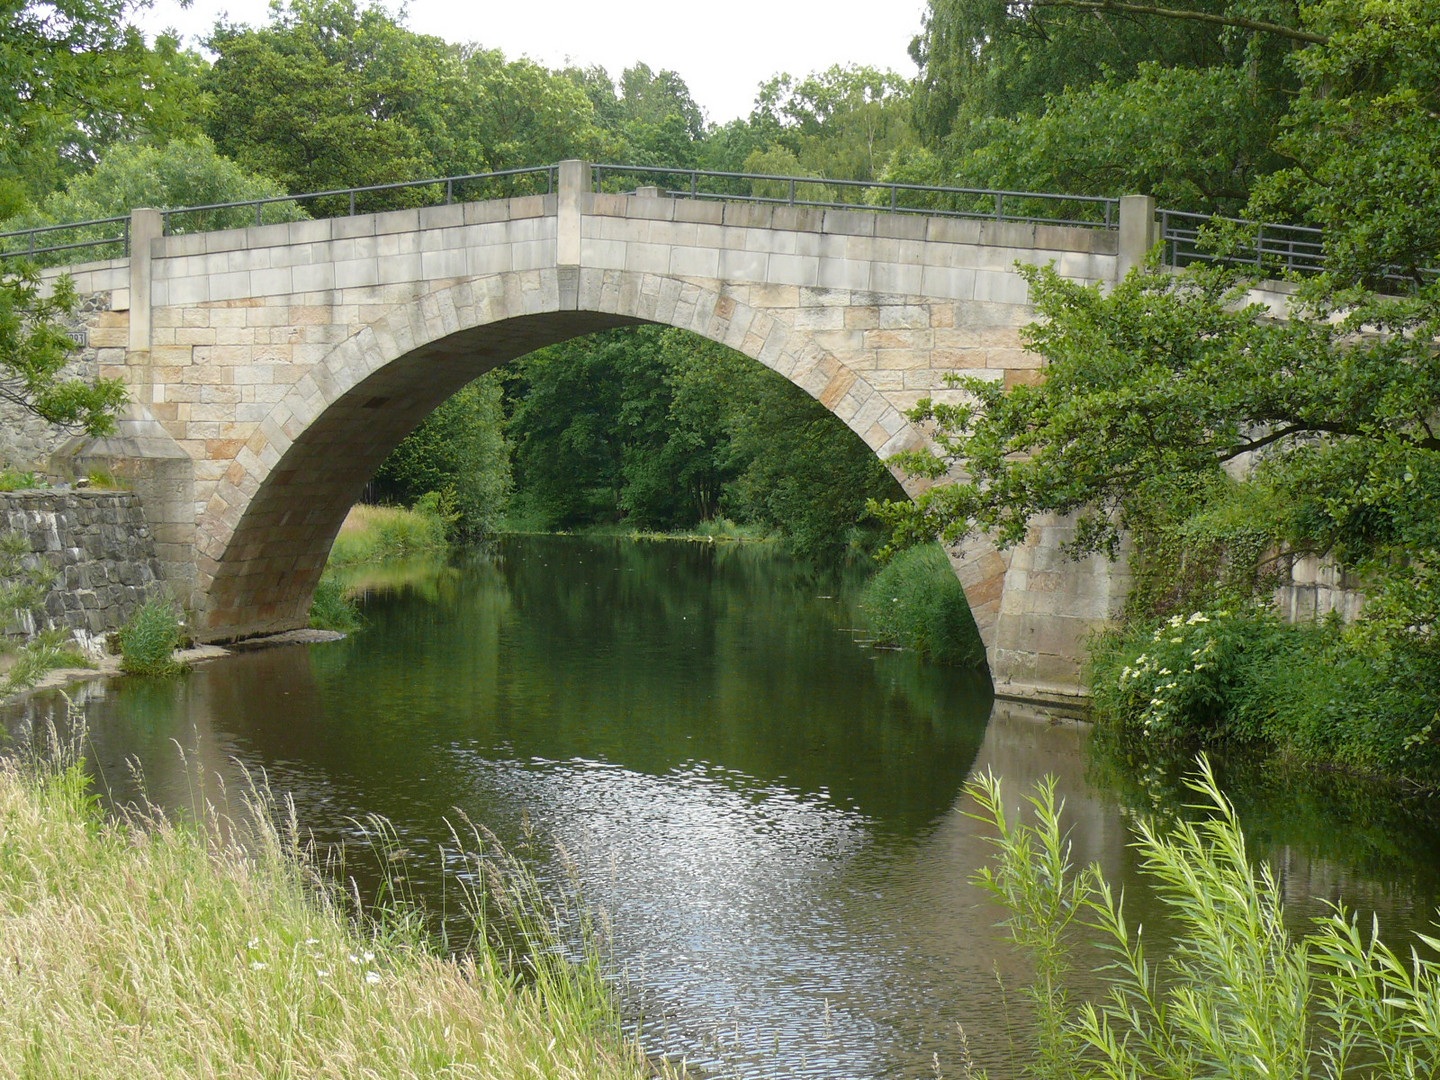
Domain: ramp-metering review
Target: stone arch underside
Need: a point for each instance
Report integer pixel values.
(265, 533)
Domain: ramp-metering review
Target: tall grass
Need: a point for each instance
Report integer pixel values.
(1237, 995)
(148, 949)
(916, 602)
(23, 663)
(387, 532)
(149, 639)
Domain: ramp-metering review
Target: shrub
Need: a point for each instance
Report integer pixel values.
(14, 480)
(1189, 676)
(149, 640)
(1322, 692)
(916, 602)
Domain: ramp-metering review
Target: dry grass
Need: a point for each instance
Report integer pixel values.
(145, 950)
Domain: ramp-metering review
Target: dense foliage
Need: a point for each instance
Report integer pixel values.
(916, 602)
(35, 346)
(666, 430)
(1218, 441)
(458, 452)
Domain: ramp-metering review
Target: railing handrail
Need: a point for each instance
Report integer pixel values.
(1110, 204)
(449, 181)
(1296, 248)
(67, 225)
(672, 170)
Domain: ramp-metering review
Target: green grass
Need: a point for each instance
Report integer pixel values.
(18, 480)
(717, 530)
(916, 602)
(25, 663)
(371, 533)
(149, 640)
(149, 949)
(333, 608)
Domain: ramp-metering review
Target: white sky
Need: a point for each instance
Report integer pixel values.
(723, 50)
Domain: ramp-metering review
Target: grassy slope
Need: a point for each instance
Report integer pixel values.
(147, 952)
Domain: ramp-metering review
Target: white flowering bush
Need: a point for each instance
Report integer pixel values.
(1189, 675)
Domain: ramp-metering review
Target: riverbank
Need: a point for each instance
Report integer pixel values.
(145, 948)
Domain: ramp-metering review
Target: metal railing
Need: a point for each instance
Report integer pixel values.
(1188, 237)
(441, 191)
(49, 240)
(1276, 249)
(1030, 207)
(472, 187)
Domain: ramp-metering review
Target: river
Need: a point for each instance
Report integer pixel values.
(770, 813)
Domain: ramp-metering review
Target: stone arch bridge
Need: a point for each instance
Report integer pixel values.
(273, 368)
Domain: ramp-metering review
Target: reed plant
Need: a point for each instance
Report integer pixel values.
(146, 948)
(148, 640)
(25, 662)
(1236, 994)
(333, 608)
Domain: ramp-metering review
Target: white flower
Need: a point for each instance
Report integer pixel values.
(322, 972)
(254, 943)
(372, 977)
(1198, 617)
(369, 956)
(257, 965)
(312, 941)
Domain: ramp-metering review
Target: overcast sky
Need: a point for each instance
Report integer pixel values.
(721, 50)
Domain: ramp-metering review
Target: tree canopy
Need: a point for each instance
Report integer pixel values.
(1172, 409)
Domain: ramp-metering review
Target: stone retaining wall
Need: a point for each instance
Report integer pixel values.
(100, 550)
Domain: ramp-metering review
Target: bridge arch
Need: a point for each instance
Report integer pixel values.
(263, 537)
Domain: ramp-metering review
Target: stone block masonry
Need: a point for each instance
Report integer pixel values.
(100, 550)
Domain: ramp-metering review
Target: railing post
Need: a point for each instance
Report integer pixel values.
(570, 202)
(999, 206)
(145, 225)
(1137, 233)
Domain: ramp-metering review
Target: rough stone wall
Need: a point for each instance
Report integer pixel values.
(26, 441)
(100, 550)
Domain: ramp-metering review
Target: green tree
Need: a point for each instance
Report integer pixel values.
(79, 76)
(665, 429)
(459, 451)
(182, 172)
(843, 123)
(330, 95)
(34, 349)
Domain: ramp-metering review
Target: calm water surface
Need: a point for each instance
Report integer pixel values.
(771, 815)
